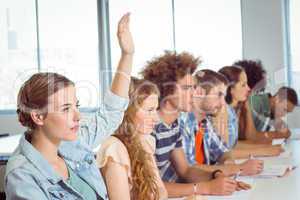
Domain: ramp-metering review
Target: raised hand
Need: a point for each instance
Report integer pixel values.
(124, 35)
(121, 81)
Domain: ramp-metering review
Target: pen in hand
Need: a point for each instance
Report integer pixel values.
(240, 185)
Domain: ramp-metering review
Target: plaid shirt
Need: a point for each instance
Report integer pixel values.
(188, 126)
(233, 127)
(214, 147)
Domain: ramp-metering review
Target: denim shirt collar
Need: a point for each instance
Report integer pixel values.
(66, 151)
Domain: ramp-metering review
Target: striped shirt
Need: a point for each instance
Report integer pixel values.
(167, 139)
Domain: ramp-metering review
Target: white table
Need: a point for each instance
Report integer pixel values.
(9, 144)
(285, 188)
(7, 147)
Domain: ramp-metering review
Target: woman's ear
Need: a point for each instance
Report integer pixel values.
(37, 118)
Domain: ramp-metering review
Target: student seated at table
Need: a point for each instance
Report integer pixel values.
(54, 159)
(264, 105)
(268, 110)
(127, 158)
(172, 73)
(210, 104)
(225, 120)
(236, 97)
(202, 145)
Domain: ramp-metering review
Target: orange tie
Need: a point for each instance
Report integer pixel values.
(199, 150)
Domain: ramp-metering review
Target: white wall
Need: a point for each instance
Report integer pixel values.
(264, 38)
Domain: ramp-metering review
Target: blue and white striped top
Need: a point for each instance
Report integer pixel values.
(167, 139)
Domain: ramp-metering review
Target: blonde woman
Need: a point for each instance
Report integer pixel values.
(126, 160)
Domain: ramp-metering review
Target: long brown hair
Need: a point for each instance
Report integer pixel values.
(144, 184)
(233, 73)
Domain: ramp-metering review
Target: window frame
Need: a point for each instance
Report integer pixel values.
(103, 57)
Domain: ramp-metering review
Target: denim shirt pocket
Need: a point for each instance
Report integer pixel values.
(57, 193)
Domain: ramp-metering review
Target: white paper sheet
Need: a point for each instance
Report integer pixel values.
(273, 171)
(278, 141)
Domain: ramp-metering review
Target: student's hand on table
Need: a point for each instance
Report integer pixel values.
(222, 186)
(242, 186)
(124, 35)
(275, 150)
(252, 167)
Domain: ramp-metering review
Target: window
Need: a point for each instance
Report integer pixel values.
(209, 29)
(295, 44)
(18, 45)
(66, 38)
(69, 44)
(152, 29)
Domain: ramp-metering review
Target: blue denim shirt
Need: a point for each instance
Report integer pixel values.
(29, 175)
(233, 127)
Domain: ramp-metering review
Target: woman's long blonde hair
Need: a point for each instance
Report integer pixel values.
(144, 186)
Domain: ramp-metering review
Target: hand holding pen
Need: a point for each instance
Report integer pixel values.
(252, 166)
(239, 184)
